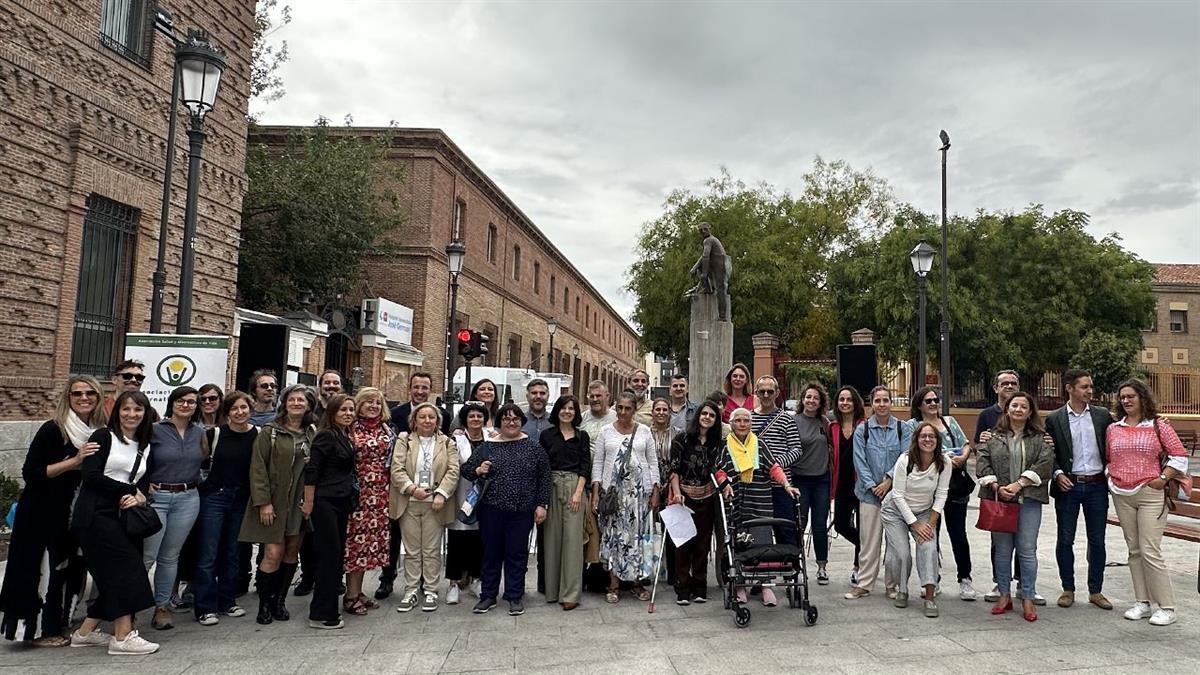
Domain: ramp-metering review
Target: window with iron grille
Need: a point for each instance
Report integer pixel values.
(127, 26)
(102, 300)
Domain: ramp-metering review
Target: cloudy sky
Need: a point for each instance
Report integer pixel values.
(587, 114)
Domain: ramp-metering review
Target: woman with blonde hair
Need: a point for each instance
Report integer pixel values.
(424, 477)
(367, 538)
(41, 537)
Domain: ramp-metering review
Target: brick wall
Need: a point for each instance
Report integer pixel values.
(1160, 345)
(77, 118)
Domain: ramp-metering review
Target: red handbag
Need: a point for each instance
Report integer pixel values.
(998, 516)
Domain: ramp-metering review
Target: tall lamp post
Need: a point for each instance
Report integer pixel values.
(575, 366)
(945, 369)
(200, 67)
(922, 261)
(551, 329)
(456, 253)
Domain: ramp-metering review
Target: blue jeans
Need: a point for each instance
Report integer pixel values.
(1029, 521)
(1093, 499)
(177, 511)
(813, 506)
(217, 528)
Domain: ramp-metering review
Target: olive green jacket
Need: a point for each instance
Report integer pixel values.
(994, 464)
(276, 478)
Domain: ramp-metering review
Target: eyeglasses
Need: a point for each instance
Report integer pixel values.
(510, 418)
(187, 402)
(766, 392)
(1009, 385)
(268, 385)
(85, 394)
(212, 398)
(932, 400)
(134, 377)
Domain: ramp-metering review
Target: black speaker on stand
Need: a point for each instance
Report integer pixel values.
(857, 367)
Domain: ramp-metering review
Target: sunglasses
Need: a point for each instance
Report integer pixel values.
(932, 400)
(132, 377)
(209, 399)
(766, 392)
(268, 385)
(85, 394)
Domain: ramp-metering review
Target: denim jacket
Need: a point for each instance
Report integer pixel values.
(875, 454)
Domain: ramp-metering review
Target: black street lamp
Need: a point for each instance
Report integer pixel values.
(551, 329)
(945, 369)
(456, 253)
(922, 261)
(200, 66)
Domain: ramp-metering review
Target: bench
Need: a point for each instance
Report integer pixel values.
(1189, 440)
(1183, 531)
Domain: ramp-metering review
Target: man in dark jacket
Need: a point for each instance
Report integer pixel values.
(1079, 430)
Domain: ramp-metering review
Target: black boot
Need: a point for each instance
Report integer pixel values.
(287, 572)
(267, 590)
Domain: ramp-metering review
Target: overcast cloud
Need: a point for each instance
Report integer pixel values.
(587, 114)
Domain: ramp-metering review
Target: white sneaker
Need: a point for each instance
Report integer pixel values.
(966, 591)
(475, 588)
(235, 611)
(132, 644)
(892, 592)
(992, 595)
(1163, 617)
(452, 594)
(96, 638)
(1138, 612)
(209, 620)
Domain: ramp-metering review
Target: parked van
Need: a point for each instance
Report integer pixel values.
(510, 383)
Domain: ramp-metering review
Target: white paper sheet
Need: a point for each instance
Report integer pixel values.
(680, 526)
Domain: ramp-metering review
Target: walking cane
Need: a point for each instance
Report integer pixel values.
(657, 569)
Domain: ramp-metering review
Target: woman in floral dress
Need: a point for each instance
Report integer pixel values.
(625, 458)
(367, 538)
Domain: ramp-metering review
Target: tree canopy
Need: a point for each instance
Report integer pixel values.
(316, 209)
(779, 243)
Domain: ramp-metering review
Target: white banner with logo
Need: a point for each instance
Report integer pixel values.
(178, 360)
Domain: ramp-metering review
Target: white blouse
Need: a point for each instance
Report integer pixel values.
(610, 444)
(121, 457)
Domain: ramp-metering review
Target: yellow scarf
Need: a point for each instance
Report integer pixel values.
(744, 455)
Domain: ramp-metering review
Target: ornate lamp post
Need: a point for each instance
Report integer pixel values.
(200, 67)
(945, 369)
(456, 253)
(551, 329)
(921, 258)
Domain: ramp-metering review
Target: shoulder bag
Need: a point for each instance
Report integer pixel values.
(610, 498)
(142, 520)
(1179, 488)
(206, 465)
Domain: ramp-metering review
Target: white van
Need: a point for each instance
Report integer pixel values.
(510, 383)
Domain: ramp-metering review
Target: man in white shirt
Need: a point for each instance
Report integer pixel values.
(1079, 431)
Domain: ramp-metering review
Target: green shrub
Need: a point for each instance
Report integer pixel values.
(10, 490)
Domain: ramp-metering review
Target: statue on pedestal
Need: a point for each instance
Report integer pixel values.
(712, 272)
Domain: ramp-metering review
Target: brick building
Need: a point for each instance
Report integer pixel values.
(513, 277)
(84, 104)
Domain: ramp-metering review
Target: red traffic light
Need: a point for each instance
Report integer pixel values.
(464, 335)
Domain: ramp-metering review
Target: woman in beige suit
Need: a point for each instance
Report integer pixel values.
(424, 478)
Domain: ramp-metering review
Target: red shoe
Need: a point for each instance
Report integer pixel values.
(1002, 607)
(1031, 616)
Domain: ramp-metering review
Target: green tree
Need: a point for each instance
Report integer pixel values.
(266, 85)
(317, 209)
(1024, 289)
(779, 244)
(1110, 358)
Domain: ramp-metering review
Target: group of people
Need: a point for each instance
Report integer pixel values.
(330, 486)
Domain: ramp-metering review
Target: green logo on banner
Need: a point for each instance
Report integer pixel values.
(176, 370)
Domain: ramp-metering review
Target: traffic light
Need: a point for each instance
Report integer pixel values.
(479, 344)
(464, 342)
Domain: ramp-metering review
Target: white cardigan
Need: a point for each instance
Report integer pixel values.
(609, 445)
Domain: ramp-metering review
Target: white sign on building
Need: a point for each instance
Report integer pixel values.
(389, 318)
(177, 360)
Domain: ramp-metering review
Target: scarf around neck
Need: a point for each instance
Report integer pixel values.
(744, 455)
(77, 430)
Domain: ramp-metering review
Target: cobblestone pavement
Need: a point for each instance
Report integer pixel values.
(863, 636)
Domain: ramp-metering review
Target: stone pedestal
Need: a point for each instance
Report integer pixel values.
(710, 348)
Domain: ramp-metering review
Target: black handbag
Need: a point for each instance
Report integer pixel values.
(961, 484)
(139, 521)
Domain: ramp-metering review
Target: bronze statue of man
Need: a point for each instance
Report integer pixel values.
(712, 271)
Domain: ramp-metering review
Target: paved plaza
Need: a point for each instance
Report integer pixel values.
(863, 636)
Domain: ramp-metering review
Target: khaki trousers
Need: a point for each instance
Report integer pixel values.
(421, 530)
(870, 539)
(1143, 518)
(563, 538)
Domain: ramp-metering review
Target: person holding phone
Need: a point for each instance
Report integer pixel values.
(926, 409)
